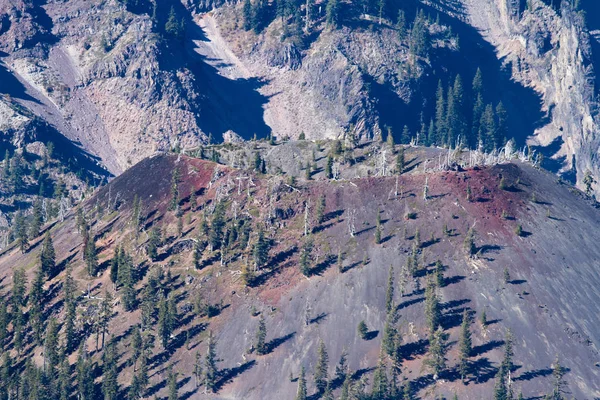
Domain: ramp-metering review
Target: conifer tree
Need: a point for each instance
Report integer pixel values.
(136, 346)
(175, 178)
(36, 299)
(502, 125)
(106, 311)
(437, 352)
(305, 257)
(261, 249)
(363, 330)
(114, 266)
(400, 161)
(247, 15)
(110, 386)
(261, 336)
(500, 390)
(172, 383)
(321, 204)
(4, 321)
(559, 385)
(407, 392)
(389, 294)
(342, 367)
(215, 236)
(165, 322)
(126, 280)
(91, 255)
(301, 393)
(439, 274)
(440, 115)
(321, 376)
(197, 369)
(469, 242)
(432, 307)
(36, 219)
(507, 361)
(329, 167)
(48, 255)
(380, 389)
(51, 349)
(70, 309)
(390, 333)
(487, 128)
(210, 364)
(154, 243)
(465, 345)
(20, 232)
(332, 12)
(85, 377)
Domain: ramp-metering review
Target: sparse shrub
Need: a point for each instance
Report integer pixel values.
(362, 330)
(519, 230)
(469, 243)
(503, 185)
(483, 319)
(410, 215)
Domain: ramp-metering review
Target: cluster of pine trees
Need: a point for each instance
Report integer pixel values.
(463, 117)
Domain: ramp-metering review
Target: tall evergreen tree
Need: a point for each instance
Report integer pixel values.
(36, 299)
(389, 294)
(4, 321)
(154, 242)
(37, 219)
(321, 375)
(91, 255)
(436, 360)
(126, 279)
(301, 393)
(210, 364)
(465, 345)
(85, 375)
(51, 348)
(380, 390)
(261, 336)
(261, 249)
(432, 306)
(48, 255)
(175, 178)
(172, 383)
(70, 309)
(440, 115)
(502, 125)
(332, 13)
(106, 311)
(110, 386)
(20, 231)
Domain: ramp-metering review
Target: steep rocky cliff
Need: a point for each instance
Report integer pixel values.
(106, 74)
(550, 50)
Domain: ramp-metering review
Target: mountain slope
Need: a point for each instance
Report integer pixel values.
(549, 302)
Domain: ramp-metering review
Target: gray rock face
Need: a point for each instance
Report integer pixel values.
(552, 53)
(103, 77)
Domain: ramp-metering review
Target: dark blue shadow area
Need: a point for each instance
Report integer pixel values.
(523, 104)
(223, 104)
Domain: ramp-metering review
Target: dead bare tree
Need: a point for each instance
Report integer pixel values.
(351, 222)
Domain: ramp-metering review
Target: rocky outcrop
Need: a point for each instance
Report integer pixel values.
(549, 50)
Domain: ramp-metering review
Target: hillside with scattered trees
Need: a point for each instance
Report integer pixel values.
(310, 270)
